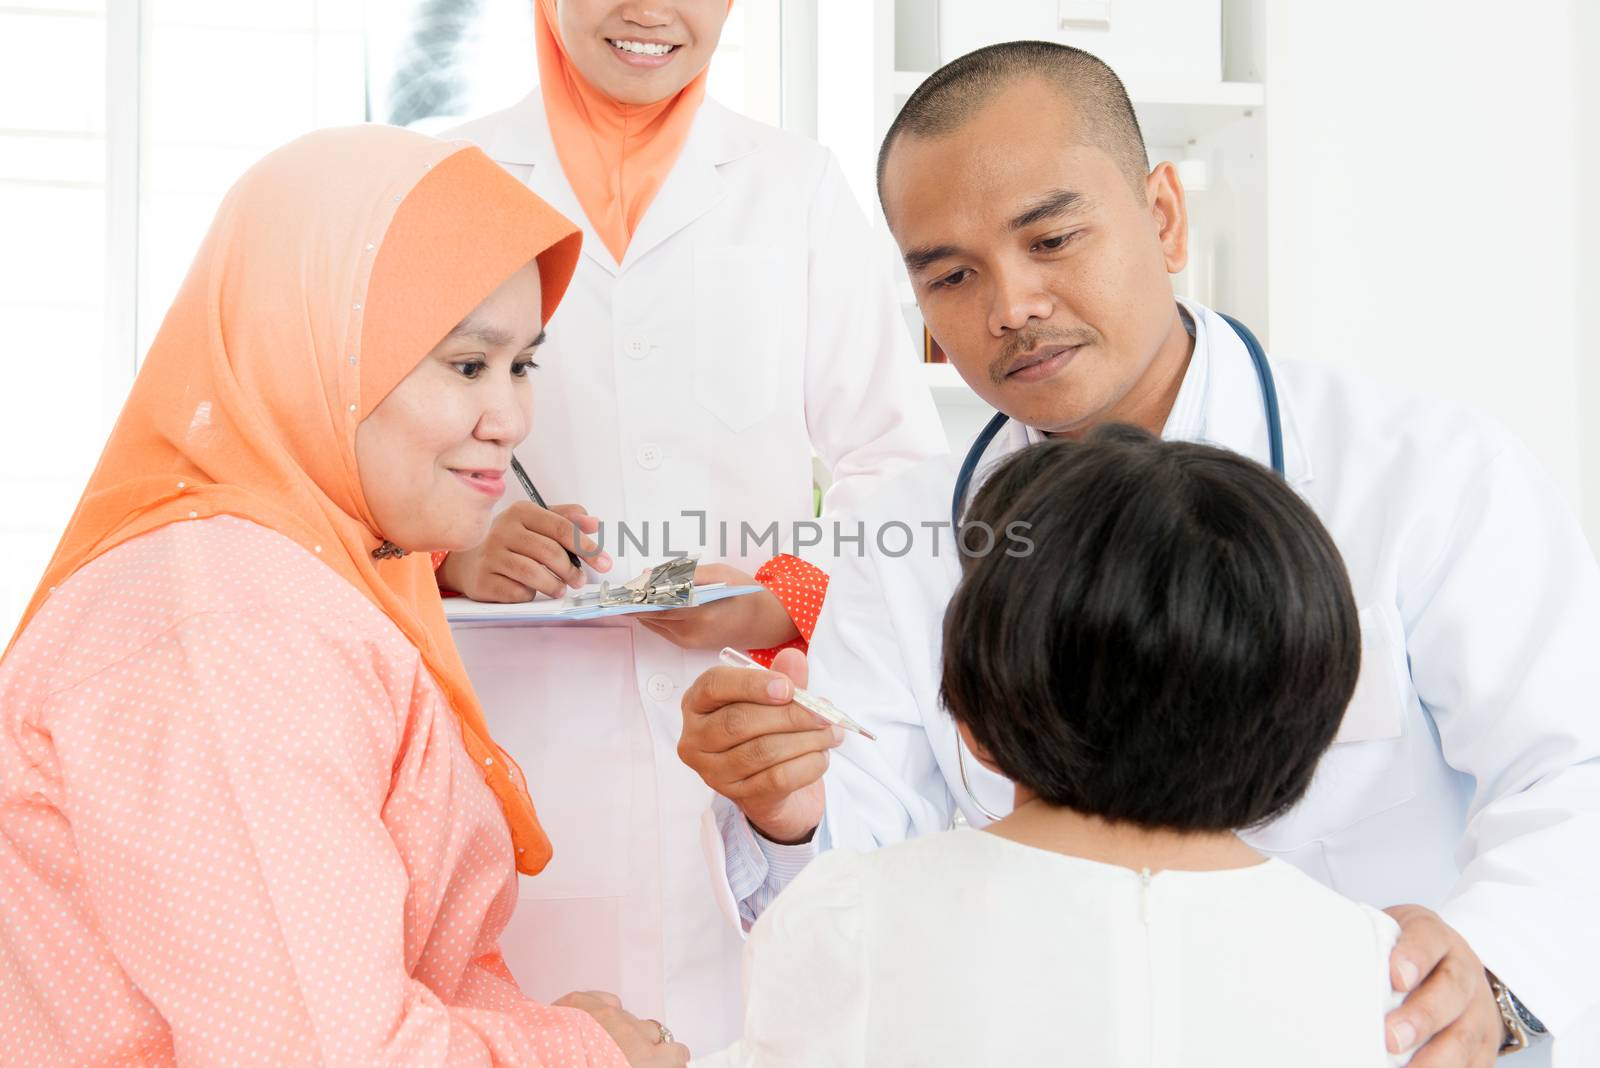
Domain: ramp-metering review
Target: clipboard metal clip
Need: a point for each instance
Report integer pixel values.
(669, 584)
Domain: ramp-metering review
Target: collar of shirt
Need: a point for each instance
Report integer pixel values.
(1187, 420)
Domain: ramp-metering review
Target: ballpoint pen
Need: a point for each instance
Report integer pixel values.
(820, 706)
(533, 495)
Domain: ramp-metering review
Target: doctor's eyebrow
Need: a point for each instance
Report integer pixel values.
(490, 335)
(918, 259)
(1049, 206)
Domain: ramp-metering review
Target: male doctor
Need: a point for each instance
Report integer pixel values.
(1464, 791)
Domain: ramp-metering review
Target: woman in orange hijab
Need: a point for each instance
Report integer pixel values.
(249, 809)
(731, 317)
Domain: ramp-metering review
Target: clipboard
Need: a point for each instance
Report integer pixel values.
(573, 609)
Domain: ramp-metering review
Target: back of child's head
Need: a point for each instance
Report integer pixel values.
(1161, 634)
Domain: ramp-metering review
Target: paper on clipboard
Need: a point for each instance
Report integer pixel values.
(571, 609)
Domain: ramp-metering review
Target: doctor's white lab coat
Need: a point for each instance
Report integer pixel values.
(1466, 774)
(752, 321)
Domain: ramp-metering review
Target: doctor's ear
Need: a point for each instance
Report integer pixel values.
(977, 750)
(1163, 193)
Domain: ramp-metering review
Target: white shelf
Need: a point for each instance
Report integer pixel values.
(1170, 112)
(1198, 94)
(1175, 113)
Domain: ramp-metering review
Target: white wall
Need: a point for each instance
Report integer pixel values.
(1586, 42)
(1423, 191)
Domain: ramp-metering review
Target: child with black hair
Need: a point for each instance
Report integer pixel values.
(1162, 666)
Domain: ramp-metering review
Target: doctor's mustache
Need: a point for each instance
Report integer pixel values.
(1028, 339)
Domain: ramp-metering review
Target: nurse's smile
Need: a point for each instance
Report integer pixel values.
(641, 53)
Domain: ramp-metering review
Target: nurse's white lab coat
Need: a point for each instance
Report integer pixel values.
(1466, 774)
(752, 319)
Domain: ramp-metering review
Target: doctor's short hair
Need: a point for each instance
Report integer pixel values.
(1176, 651)
(951, 95)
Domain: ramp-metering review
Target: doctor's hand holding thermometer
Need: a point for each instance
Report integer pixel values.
(818, 706)
(747, 734)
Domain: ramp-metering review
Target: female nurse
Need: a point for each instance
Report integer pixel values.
(731, 316)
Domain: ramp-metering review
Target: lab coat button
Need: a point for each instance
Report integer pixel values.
(637, 347)
(659, 686)
(649, 457)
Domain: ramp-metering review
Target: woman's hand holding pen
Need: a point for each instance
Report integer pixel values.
(525, 554)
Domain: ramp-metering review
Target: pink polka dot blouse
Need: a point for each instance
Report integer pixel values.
(238, 826)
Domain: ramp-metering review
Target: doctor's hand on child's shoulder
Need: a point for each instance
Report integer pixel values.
(754, 621)
(1449, 1016)
(526, 554)
(643, 1042)
(744, 735)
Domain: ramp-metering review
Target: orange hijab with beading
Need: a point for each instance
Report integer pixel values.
(615, 156)
(333, 266)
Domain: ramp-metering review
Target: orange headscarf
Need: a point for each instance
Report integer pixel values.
(332, 268)
(615, 155)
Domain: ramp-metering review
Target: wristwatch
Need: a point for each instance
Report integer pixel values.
(1522, 1028)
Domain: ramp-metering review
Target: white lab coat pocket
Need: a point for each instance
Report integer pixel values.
(562, 701)
(1377, 708)
(739, 329)
(1367, 770)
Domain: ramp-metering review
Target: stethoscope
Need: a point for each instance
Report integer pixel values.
(980, 445)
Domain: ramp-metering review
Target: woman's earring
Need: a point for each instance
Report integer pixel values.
(388, 551)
